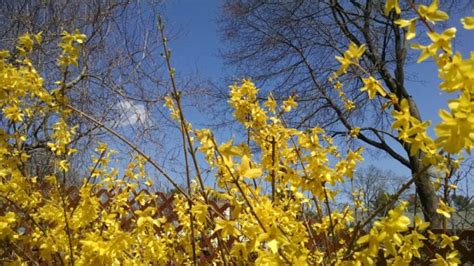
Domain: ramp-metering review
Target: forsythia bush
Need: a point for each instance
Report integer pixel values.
(270, 192)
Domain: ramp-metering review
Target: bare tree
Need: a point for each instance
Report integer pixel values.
(118, 78)
(290, 46)
(371, 180)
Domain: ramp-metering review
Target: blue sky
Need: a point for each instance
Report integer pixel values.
(196, 45)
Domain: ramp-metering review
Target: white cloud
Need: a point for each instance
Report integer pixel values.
(131, 113)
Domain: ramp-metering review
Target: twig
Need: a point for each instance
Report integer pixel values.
(132, 146)
(374, 214)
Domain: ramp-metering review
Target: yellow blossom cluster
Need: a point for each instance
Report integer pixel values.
(273, 182)
(70, 45)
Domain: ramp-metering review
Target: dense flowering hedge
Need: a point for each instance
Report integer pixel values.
(267, 226)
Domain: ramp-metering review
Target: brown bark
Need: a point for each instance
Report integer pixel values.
(424, 186)
(427, 194)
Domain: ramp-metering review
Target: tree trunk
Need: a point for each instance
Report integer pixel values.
(424, 186)
(426, 193)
